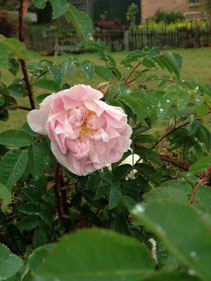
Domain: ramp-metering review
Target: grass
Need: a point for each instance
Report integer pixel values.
(196, 64)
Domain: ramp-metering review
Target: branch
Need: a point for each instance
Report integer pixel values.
(11, 105)
(170, 160)
(131, 73)
(192, 197)
(37, 78)
(21, 11)
(60, 196)
(163, 137)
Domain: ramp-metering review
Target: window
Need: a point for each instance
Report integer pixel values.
(193, 1)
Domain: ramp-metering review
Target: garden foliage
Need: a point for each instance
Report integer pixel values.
(112, 214)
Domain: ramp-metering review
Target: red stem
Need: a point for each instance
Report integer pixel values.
(21, 11)
(19, 107)
(59, 196)
(163, 137)
(131, 73)
(192, 197)
(170, 160)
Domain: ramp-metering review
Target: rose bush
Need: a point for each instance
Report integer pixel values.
(86, 133)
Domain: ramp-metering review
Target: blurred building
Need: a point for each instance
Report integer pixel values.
(192, 9)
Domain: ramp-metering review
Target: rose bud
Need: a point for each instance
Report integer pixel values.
(104, 88)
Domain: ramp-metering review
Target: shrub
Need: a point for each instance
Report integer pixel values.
(168, 18)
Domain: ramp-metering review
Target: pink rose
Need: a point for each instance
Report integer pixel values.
(86, 133)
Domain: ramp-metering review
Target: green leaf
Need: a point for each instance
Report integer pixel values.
(28, 223)
(171, 276)
(166, 260)
(201, 166)
(40, 4)
(88, 68)
(9, 263)
(47, 84)
(4, 192)
(203, 197)
(148, 172)
(167, 192)
(133, 104)
(40, 237)
(56, 73)
(121, 171)
(81, 22)
(28, 208)
(201, 110)
(154, 52)
(134, 56)
(4, 115)
(59, 8)
(16, 47)
(144, 139)
(115, 195)
(148, 154)
(12, 166)
(15, 138)
(179, 60)
(38, 256)
(104, 72)
(68, 66)
(128, 201)
(36, 163)
(13, 66)
(148, 63)
(3, 55)
(95, 255)
(102, 190)
(18, 89)
(40, 98)
(193, 244)
(164, 104)
(172, 63)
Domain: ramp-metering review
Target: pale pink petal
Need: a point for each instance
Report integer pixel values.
(86, 133)
(37, 119)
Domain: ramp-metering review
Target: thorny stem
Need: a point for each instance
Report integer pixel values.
(60, 196)
(192, 197)
(170, 160)
(18, 107)
(22, 62)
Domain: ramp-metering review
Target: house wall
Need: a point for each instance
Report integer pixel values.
(150, 7)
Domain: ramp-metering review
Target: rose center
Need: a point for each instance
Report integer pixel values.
(84, 129)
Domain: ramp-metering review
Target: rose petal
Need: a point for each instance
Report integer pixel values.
(37, 119)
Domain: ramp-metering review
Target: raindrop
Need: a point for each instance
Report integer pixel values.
(193, 254)
(138, 209)
(191, 272)
(167, 100)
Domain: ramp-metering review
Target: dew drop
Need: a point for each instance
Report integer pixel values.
(193, 254)
(139, 209)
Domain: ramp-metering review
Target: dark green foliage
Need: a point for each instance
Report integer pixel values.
(168, 18)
